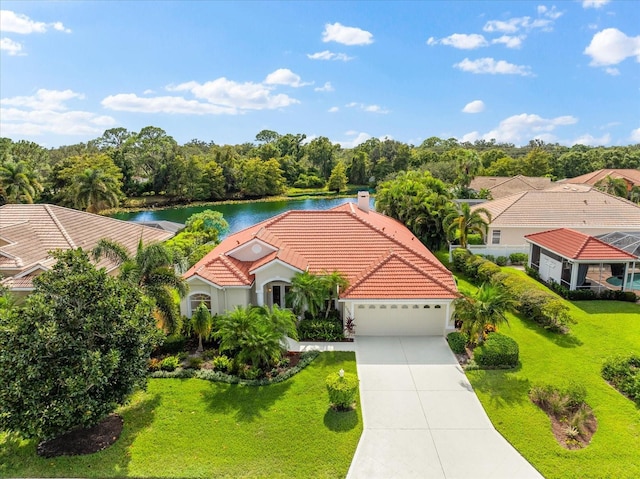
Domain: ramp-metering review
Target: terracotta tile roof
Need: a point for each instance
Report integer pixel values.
(631, 176)
(572, 206)
(343, 239)
(579, 246)
(501, 186)
(32, 231)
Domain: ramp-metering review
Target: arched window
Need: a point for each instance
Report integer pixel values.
(196, 299)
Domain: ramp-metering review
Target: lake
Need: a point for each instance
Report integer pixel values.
(238, 215)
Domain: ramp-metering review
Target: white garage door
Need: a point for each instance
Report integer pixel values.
(399, 320)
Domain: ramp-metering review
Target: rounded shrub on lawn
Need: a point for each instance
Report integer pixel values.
(498, 351)
(343, 389)
(457, 341)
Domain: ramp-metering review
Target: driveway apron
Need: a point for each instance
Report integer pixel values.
(422, 418)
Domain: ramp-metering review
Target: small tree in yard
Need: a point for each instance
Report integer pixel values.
(75, 351)
(201, 324)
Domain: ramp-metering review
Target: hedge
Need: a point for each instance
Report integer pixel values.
(457, 341)
(624, 374)
(498, 351)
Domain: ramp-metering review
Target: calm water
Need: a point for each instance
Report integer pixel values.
(240, 215)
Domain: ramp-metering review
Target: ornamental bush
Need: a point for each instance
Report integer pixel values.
(519, 258)
(498, 351)
(342, 390)
(170, 363)
(457, 341)
(623, 372)
(501, 260)
(320, 330)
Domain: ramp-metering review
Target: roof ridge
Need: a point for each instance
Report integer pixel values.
(519, 197)
(384, 258)
(234, 269)
(57, 222)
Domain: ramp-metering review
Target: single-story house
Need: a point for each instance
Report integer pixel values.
(29, 232)
(578, 260)
(396, 285)
(579, 207)
(630, 176)
(501, 186)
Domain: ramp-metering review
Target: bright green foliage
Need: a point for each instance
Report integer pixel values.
(484, 308)
(358, 170)
(338, 179)
(201, 323)
(199, 236)
(151, 270)
(170, 363)
(624, 373)
(76, 350)
(96, 190)
(261, 178)
(320, 330)
(18, 183)
(457, 341)
(343, 390)
(498, 351)
(613, 186)
(256, 334)
(306, 293)
(333, 283)
(464, 222)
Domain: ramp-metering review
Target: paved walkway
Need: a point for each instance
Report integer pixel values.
(422, 418)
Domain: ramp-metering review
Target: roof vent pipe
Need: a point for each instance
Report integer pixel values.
(363, 201)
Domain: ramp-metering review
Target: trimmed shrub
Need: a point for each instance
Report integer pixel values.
(489, 257)
(501, 260)
(472, 264)
(532, 272)
(320, 330)
(487, 270)
(459, 256)
(457, 341)
(498, 351)
(170, 363)
(623, 372)
(519, 258)
(342, 390)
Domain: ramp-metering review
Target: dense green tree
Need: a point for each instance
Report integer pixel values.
(613, 186)
(201, 323)
(338, 178)
(358, 169)
(18, 183)
(75, 351)
(95, 190)
(267, 136)
(536, 163)
(485, 308)
(464, 222)
(320, 152)
(307, 293)
(151, 270)
(333, 283)
(261, 178)
(505, 166)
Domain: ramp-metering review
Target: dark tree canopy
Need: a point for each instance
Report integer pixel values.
(75, 351)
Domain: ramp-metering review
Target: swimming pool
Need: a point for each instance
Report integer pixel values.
(635, 283)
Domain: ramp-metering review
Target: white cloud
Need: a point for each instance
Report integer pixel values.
(328, 55)
(284, 76)
(519, 129)
(358, 138)
(612, 71)
(635, 135)
(510, 41)
(589, 140)
(11, 47)
(462, 41)
(339, 33)
(163, 104)
(610, 47)
(476, 106)
(367, 108)
(46, 112)
(594, 3)
(333, 109)
(148, 92)
(513, 25)
(326, 87)
(491, 66)
(18, 23)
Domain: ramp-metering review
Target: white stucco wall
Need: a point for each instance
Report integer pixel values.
(515, 236)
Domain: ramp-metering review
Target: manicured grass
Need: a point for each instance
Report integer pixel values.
(195, 428)
(603, 329)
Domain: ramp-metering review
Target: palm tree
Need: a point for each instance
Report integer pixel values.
(306, 293)
(18, 184)
(487, 307)
(333, 283)
(613, 186)
(201, 324)
(467, 222)
(634, 194)
(151, 269)
(95, 190)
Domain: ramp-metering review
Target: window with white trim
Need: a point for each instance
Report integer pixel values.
(199, 298)
(495, 237)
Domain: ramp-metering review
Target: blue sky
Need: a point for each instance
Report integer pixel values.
(566, 72)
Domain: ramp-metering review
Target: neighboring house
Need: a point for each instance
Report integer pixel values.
(578, 260)
(29, 232)
(396, 285)
(501, 186)
(631, 177)
(579, 207)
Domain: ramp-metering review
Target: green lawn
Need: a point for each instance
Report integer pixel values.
(196, 428)
(604, 328)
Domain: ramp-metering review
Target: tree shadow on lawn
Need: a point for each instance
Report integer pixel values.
(248, 402)
(340, 421)
(567, 340)
(503, 387)
(16, 455)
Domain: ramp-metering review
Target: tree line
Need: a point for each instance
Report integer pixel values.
(123, 164)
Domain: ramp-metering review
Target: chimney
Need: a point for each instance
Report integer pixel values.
(363, 201)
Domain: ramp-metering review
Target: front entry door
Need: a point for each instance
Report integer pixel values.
(278, 294)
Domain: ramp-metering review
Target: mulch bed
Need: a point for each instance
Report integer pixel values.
(84, 441)
(559, 428)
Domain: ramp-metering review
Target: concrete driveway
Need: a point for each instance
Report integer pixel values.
(422, 418)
